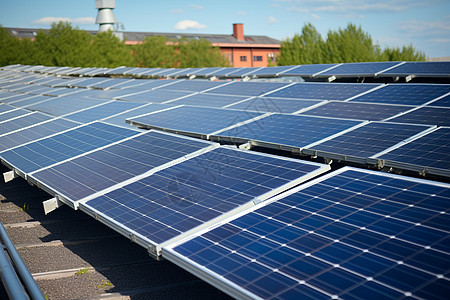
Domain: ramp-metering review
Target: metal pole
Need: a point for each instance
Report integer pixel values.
(20, 266)
(10, 280)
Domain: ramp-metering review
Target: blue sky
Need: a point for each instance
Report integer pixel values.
(394, 23)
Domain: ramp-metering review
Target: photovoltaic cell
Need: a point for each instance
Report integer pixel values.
(431, 151)
(64, 105)
(322, 91)
(358, 69)
(277, 105)
(93, 172)
(21, 122)
(370, 139)
(31, 100)
(406, 94)
(179, 198)
(154, 96)
(286, 130)
(199, 120)
(192, 85)
(14, 139)
(102, 111)
(357, 110)
(444, 102)
(351, 234)
(240, 88)
(43, 153)
(271, 71)
(308, 70)
(5, 108)
(421, 68)
(426, 115)
(6, 116)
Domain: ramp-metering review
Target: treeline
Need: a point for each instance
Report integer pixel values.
(65, 45)
(350, 44)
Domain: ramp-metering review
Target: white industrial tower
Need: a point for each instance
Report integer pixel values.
(105, 16)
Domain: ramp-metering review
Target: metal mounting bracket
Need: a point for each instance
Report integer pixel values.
(10, 175)
(51, 204)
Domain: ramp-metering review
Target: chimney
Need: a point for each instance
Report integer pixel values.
(238, 31)
(105, 16)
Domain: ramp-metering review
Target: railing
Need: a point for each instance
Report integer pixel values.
(16, 278)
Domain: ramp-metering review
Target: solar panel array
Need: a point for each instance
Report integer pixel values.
(243, 220)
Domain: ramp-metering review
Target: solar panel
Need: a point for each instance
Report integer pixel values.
(170, 203)
(102, 111)
(365, 141)
(223, 72)
(426, 115)
(429, 154)
(194, 120)
(206, 71)
(95, 171)
(288, 132)
(351, 234)
(308, 70)
(432, 69)
(155, 96)
(45, 152)
(241, 72)
(120, 119)
(277, 105)
(209, 100)
(407, 94)
(192, 85)
(240, 88)
(22, 121)
(271, 71)
(5, 108)
(361, 69)
(31, 100)
(16, 138)
(443, 101)
(59, 106)
(323, 91)
(6, 116)
(357, 110)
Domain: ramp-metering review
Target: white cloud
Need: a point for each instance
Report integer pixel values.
(50, 20)
(272, 20)
(187, 24)
(315, 16)
(176, 11)
(195, 6)
(242, 13)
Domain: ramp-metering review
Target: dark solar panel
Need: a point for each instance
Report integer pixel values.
(177, 199)
(407, 94)
(21, 122)
(308, 70)
(209, 100)
(352, 234)
(240, 88)
(6, 116)
(59, 106)
(426, 115)
(277, 105)
(434, 69)
(102, 111)
(431, 151)
(192, 85)
(358, 69)
(357, 110)
(443, 101)
(369, 139)
(287, 130)
(155, 96)
(323, 91)
(200, 120)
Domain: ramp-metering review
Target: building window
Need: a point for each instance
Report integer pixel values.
(272, 57)
(243, 58)
(257, 58)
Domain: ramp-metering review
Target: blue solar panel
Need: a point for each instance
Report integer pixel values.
(352, 234)
(29, 134)
(323, 91)
(31, 100)
(192, 85)
(434, 69)
(101, 169)
(102, 111)
(271, 71)
(13, 114)
(426, 115)
(407, 94)
(13, 97)
(369, 139)
(154, 96)
(269, 104)
(209, 100)
(432, 151)
(223, 72)
(308, 70)
(444, 102)
(5, 107)
(207, 71)
(286, 130)
(43, 153)
(240, 88)
(179, 198)
(23, 121)
(64, 105)
(358, 69)
(357, 110)
(198, 120)
(241, 72)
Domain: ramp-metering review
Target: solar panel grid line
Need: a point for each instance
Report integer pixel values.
(241, 123)
(12, 109)
(305, 109)
(153, 112)
(285, 71)
(17, 117)
(276, 90)
(19, 103)
(239, 102)
(326, 70)
(436, 99)
(387, 69)
(403, 113)
(366, 92)
(211, 90)
(173, 256)
(125, 111)
(408, 140)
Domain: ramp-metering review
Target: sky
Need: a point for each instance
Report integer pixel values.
(390, 23)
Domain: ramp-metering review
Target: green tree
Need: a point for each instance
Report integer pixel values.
(406, 53)
(109, 51)
(9, 47)
(199, 53)
(305, 48)
(154, 53)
